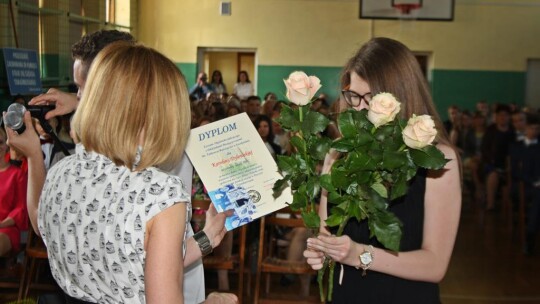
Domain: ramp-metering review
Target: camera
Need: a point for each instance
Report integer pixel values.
(14, 118)
(39, 111)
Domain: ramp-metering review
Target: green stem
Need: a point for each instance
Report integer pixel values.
(320, 277)
(310, 171)
(332, 266)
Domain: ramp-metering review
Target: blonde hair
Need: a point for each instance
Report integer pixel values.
(133, 90)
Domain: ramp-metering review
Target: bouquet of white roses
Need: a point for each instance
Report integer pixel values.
(380, 154)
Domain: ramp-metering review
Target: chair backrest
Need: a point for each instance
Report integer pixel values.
(272, 259)
(211, 262)
(285, 217)
(198, 216)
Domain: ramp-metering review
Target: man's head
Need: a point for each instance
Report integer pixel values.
(518, 121)
(253, 106)
(502, 116)
(532, 127)
(84, 52)
(453, 113)
(202, 78)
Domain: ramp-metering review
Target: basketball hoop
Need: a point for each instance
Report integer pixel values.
(406, 8)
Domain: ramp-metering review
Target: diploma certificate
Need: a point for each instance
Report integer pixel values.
(236, 168)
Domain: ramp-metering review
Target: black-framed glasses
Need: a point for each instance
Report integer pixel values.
(354, 99)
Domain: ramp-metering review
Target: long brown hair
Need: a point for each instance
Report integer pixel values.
(389, 66)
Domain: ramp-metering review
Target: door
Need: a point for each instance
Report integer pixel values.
(532, 86)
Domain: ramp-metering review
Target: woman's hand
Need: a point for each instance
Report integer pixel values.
(221, 298)
(314, 258)
(26, 143)
(214, 226)
(338, 248)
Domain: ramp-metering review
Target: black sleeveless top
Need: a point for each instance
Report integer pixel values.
(378, 287)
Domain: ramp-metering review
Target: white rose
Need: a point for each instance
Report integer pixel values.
(419, 132)
(301, 88)
(383, 108)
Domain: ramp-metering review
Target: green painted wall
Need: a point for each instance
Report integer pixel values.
(189, 70)
(270, 79)
(465, 88)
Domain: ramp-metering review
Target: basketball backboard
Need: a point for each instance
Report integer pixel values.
(428, 10)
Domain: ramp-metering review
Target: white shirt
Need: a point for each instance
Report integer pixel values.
(243, 90)
(92, 217)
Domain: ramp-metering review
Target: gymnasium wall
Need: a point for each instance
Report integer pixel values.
(482, 54)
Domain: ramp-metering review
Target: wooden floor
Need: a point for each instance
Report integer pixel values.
(487, 266)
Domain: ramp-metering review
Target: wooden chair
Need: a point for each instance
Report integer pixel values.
(270, 261)
(233, 263)
(35, 255)
(10, 271)
(522, 211)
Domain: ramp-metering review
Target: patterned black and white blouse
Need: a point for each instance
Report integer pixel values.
(92, 217)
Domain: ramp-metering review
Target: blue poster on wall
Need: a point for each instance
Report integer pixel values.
(22, 70)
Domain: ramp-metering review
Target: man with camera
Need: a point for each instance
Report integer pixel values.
(199, 90)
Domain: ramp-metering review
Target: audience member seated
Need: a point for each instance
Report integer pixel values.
(217, 83)
(199, 90)
(453, 118)
(263, 124)
(531, 180)
(243, 88)
(253, 107)
(13, 214)
(495, 144)
(518, 123)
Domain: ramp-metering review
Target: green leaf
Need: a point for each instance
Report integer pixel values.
(279, 186)
(311, 219)
(393, 159)
(326, 183)
(352, 189)
(347, 125)
(360, 161)
(340, 178)
(385, 131)
(387, 229)
(364, 138)
(334, 220)
(339, 209)
(356, 212)
(298, 180)
(314, 122)
(380, 189)
(301, 163)
(313, 187)
(319, 147)
(362, 177)
(344, 144)
(299, 143)
(286, 164)
(428, 157)
(299, 202)
(399, 188)
(289, 119)
(335, 198)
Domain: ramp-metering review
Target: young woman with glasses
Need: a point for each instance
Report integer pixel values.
(429, 211)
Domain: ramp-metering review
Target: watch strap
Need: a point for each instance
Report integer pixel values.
(204, 243)
(365, 267)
